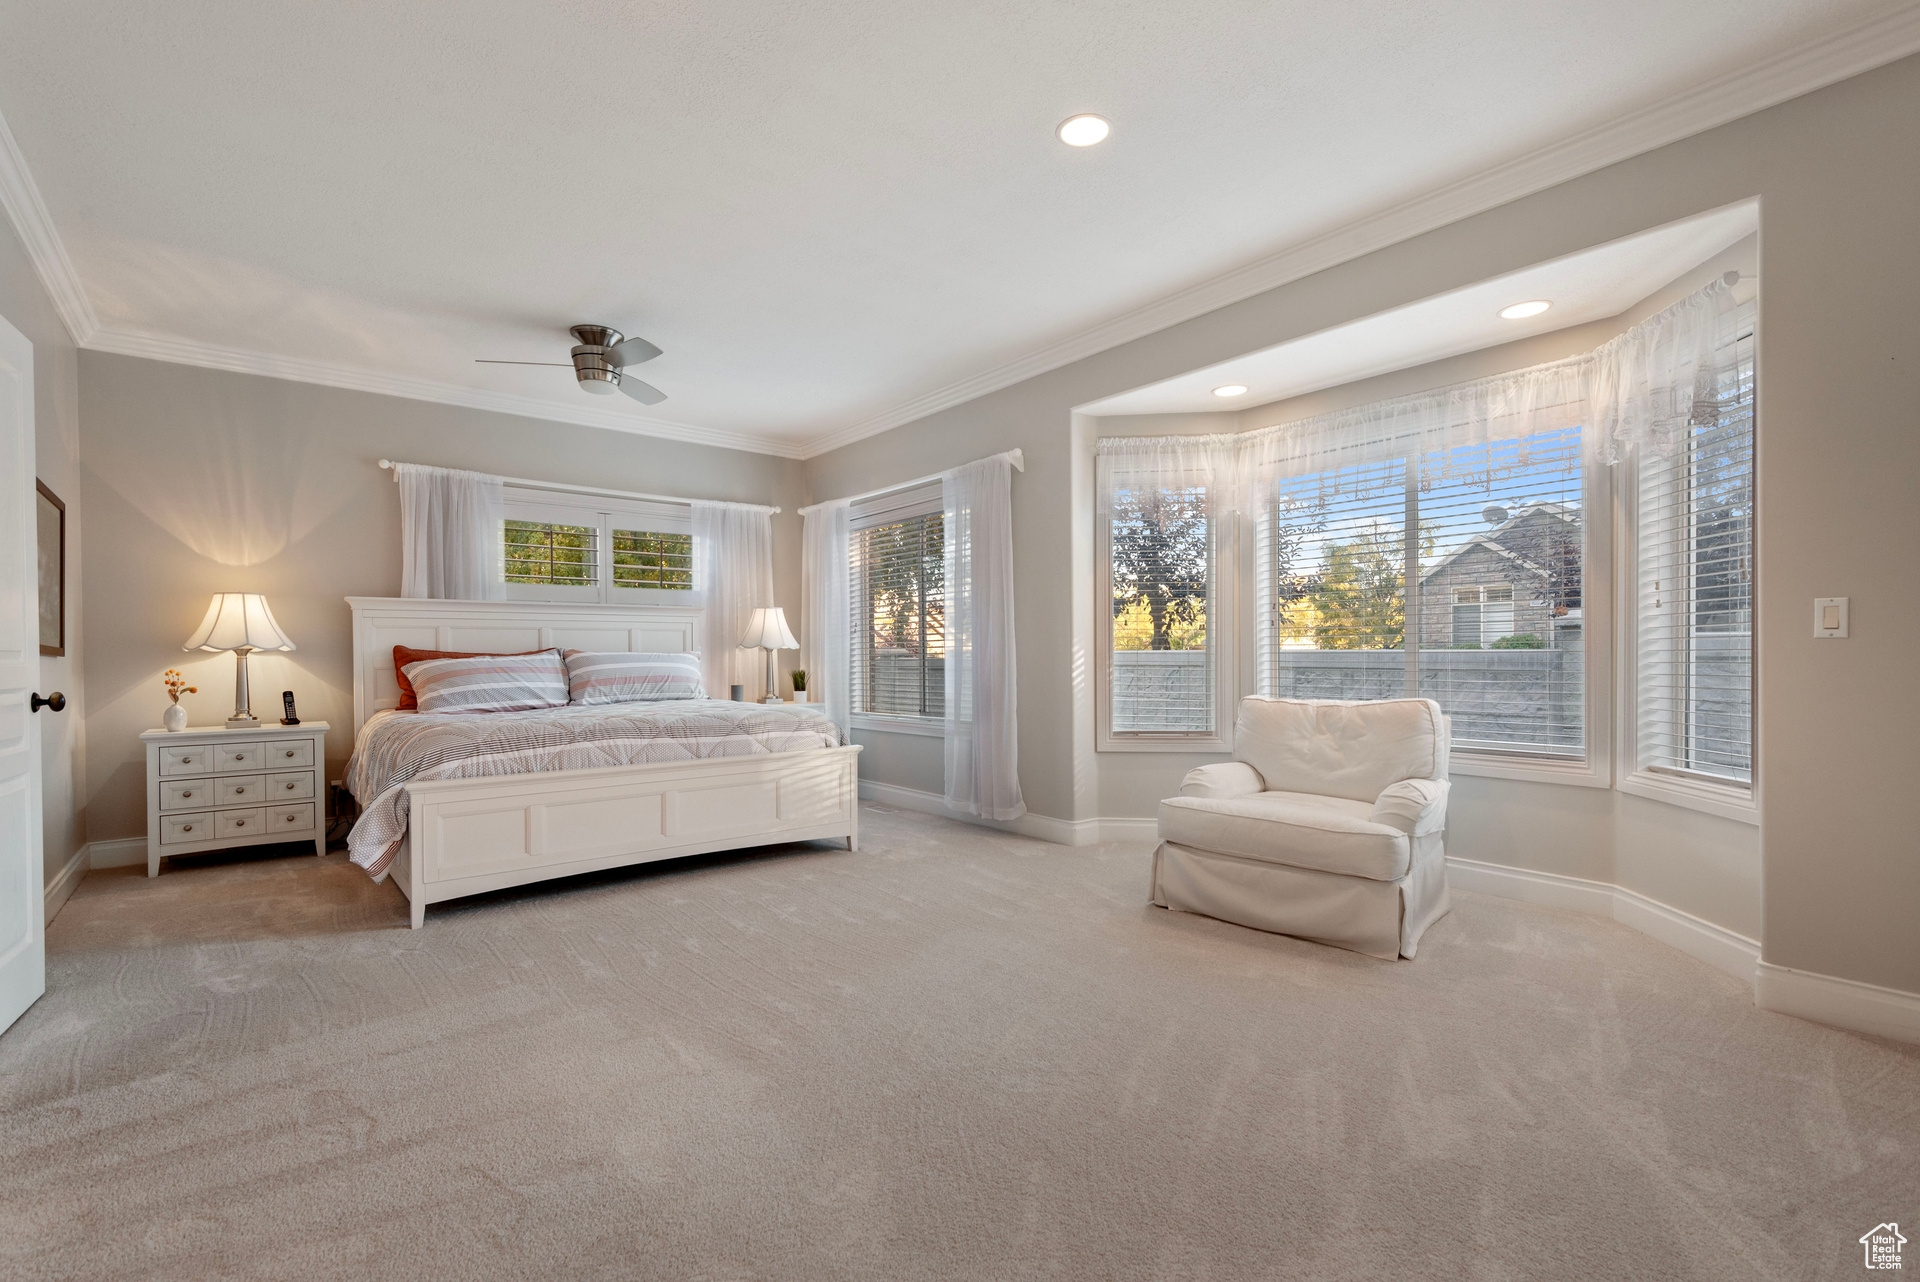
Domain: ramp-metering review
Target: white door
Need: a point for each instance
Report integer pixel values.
(23, 954)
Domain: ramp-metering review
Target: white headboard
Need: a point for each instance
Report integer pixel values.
(381, 623)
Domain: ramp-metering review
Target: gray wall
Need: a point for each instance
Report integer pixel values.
(198, 481)
(56, 402)
(1840, 249)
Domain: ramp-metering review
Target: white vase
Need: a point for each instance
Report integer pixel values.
(799, 696)
(175, 718)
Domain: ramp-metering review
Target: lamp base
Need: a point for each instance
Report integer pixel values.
(242, 723)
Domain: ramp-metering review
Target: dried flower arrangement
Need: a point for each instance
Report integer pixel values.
(177, 685)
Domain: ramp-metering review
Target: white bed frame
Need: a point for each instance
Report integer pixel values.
(466, 836)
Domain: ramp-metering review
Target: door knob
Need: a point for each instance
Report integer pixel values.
(56, 701)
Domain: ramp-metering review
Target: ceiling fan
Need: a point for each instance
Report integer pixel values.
(601, 360)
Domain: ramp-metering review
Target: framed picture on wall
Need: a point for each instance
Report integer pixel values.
(52, 524)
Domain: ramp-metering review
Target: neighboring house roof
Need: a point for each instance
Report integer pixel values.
(1492, 542)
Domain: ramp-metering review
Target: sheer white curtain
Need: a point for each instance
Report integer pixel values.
(450, 534)
(826, 614)
(1432, 424)
(982, 729)
(1666, 374)
(734, 544)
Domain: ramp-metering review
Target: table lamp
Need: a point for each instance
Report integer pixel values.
(242, 623)
(767, 630)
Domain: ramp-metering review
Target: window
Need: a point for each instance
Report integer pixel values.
(543, 552)
(559, 546)
(1164, 614)
(1694, 661)
(1496, 537)
(652, 559)
(898, 580)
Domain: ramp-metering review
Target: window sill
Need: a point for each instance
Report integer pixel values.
(928, 727)
(1518, 766)
(1211, 745)
(1736, 804)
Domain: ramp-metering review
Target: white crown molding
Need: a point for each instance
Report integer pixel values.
(1849, 52)
(1860, 48)
(186, 351)
(20, 197)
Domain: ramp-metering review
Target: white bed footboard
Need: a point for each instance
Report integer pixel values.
(466, 836)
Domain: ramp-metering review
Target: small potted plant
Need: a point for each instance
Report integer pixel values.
(176, 716)
(799, 677)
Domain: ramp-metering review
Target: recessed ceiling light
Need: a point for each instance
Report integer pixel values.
(1231, 389)
(1520, 311)
(1083, 131)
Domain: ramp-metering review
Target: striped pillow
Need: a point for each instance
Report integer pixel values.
(632, 678)
(490, 683)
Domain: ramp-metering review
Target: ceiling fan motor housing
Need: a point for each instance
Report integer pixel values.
(590, 364)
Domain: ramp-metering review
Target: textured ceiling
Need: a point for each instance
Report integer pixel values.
(821, 210)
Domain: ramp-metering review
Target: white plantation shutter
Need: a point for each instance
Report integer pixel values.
(1694, 673)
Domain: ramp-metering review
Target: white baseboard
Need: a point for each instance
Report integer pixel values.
(1715, 945)
(127, 852)
(1061, 832)
(1844, 1003)
(62, 886)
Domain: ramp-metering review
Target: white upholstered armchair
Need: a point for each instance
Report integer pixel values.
(1327, 824)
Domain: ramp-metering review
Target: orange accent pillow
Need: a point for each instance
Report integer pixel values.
(403, 655)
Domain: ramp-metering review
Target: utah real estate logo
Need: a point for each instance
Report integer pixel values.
(1882, 1245)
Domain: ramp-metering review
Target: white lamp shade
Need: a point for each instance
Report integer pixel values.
(768, 630)
(238, 620)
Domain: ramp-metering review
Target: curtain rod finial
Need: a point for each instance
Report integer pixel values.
(385, 463)
(1018, 459)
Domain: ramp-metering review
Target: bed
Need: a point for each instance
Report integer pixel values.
(507, 799)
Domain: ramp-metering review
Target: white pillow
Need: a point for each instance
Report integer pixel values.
(490, 682)
(632, 678)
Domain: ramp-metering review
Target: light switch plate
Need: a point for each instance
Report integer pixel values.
(1830, 616)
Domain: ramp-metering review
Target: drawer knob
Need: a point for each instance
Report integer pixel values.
(289, 752)
(238, 791)
(290, 818)
(239, 823)
(187, 793)
(186, 827)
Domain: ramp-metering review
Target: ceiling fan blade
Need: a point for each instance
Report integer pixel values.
(645, 393)
(634, 351)
(552, 364)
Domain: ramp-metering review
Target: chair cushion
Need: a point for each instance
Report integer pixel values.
(1331, 834)
(1333, 748)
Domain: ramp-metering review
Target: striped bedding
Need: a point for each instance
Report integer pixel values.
(397, 748)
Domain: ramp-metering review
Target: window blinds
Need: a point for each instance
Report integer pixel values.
(898, 575)
(1694, 541)
(1159, 500)
(1490, 625)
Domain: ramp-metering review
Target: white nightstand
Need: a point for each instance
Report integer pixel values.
(211, 788)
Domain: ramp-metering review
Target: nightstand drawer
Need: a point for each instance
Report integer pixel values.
(186, 761)
(181, 829)
(242, 823)
(290, 787)
(296, 819)
(240, 756)
(285, 754)
(186, 794)
(240, 790)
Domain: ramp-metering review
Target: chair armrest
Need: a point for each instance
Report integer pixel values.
(1414, 806)
(1222, 779)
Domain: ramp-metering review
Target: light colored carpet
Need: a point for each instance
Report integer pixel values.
(951, 1055)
